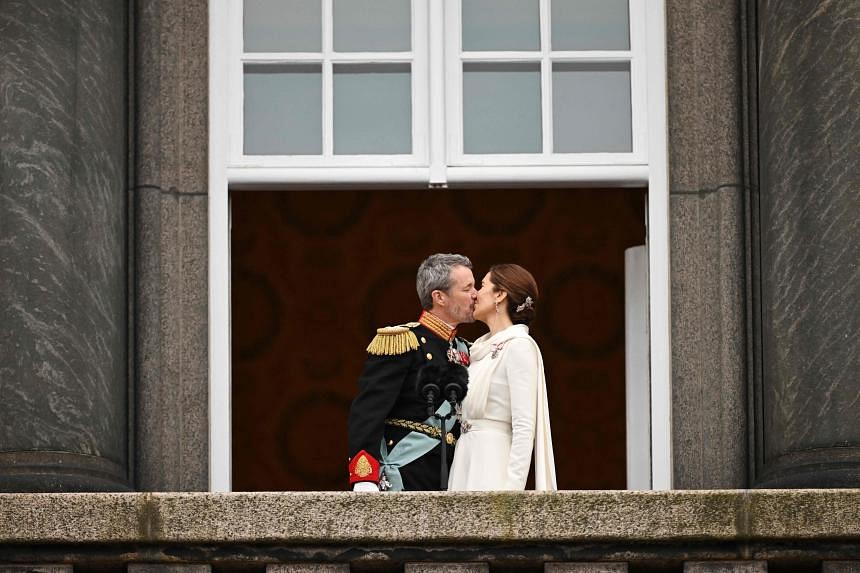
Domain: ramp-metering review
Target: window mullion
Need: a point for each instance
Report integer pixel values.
(437, 121)
(595, 56)
(328, 79)
(453, 83)
(373, 57)
(546, 78)
(502, 56)
(279, 57)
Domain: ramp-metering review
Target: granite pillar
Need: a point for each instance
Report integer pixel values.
(64, 398)
(707, 199)
(171, 222)
(806, 226)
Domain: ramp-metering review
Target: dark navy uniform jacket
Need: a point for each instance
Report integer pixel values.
(387, 389)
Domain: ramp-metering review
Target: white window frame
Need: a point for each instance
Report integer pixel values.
(328, 59)
(229, 171)
(455, 58)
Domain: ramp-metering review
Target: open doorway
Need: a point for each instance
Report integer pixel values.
(314, 273)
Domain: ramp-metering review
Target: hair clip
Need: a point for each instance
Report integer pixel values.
(528, 303)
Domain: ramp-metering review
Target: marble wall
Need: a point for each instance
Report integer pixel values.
(64, 398)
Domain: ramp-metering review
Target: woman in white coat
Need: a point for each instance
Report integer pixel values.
(504, 417)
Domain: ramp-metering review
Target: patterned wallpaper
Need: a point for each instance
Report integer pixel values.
(316, 272)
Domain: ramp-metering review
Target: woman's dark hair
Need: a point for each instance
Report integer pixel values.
(519, 284)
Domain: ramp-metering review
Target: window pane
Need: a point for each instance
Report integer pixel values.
(501, 108)
(590, 25)
(283, 109)
(372, 26)
(283, 25)
(591, 108)
(372, 109)
(492, 25)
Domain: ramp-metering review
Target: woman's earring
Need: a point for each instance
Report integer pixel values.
(497, 307)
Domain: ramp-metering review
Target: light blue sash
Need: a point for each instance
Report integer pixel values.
(410, 448)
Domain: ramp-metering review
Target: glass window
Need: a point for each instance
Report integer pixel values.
(327, 79)
(372, 26)
(282, 26)
(521, 95)
(590, 25)
(591, 110)
(283, 111)
(501, 108)
(492, 25)
(349, 83)
(372, 109)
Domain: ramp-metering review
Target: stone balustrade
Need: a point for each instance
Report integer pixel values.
(577, 532)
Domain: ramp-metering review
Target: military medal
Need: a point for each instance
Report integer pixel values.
(457, 356)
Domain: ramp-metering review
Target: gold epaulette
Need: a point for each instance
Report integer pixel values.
(393, 340)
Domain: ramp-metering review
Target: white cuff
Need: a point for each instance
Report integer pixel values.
(365, 486)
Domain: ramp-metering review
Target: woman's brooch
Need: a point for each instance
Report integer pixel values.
(496, 348)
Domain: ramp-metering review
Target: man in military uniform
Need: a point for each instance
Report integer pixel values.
(392, 442)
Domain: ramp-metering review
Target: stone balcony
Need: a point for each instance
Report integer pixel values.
(738, 530)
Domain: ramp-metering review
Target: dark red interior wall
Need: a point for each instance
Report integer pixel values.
(314, 273)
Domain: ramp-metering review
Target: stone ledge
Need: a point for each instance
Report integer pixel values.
(412, 518)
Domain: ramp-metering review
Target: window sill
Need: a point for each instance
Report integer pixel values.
(248, 178)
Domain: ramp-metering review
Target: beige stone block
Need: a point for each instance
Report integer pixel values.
(447, 568)
(725, 567)
(35, 568)
(168, 568)
(826, 513)
(308, 568)
(840, 567)
(585, 568)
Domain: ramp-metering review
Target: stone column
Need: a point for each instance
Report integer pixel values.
(806, 223)
(707, 198)
(171, 254)
(64, 398)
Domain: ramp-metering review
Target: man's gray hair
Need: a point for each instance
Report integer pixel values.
(435, 274)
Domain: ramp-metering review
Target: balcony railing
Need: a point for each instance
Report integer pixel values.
(698, 531)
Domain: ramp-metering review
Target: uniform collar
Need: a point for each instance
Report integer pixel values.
(437, 326)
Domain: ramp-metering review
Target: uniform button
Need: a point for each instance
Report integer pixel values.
(429, 356)
(423, 340)
(390, 443)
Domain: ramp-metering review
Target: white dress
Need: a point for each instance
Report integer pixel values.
(504, 417)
